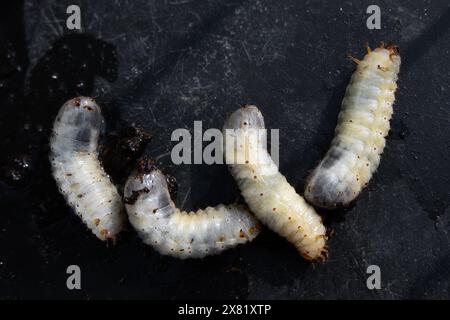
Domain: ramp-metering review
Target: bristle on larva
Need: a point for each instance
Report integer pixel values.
(359, 139)
(77, 169)
(270, 197)
(181, 234)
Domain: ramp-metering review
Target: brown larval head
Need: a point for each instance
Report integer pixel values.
(393, 49)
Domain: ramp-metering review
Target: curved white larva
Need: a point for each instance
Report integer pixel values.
(77, 169)
(177, 233)
(270, 197)
(359, 138)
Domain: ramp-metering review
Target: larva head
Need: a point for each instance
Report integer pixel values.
(384, 56)
(245, 137)
(147, 183)
(246, 117)
(393, 49)
(80, 122)
(81, 111)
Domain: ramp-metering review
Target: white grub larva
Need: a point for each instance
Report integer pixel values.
(268, 194)
(177, 233)
(359, 139)
(78, 171)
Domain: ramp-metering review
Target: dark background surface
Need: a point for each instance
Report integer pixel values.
(163, 64)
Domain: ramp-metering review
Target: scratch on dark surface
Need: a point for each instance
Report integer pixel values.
(163, 155)
(175, 3)
(167, 62)
(185, 197)
(424, 42)
(246, 51)
(54, 23)
(155, 23)
(196, 15)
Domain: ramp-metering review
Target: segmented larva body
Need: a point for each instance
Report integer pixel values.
(270, 197)
(359, 139)
(78, 171)
(182, 234)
